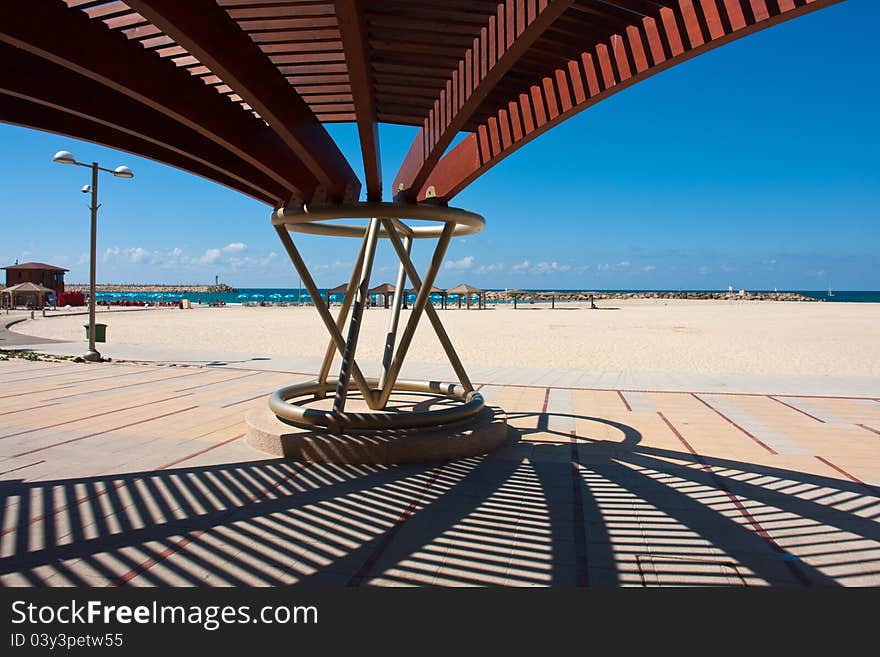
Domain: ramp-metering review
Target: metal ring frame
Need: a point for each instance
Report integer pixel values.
(312, 220)
(384, 221)
(280, 404)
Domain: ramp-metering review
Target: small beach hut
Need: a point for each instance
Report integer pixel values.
(339, 289)
(385, 289)
(24, 294)
(468, 291)
(515, 294)
(434, 290)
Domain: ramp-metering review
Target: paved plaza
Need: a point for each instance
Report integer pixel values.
(138, 474)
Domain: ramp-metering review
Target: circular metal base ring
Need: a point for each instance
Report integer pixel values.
(316, 221)
(471, 404)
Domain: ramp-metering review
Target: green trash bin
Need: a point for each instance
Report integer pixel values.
(100, 332)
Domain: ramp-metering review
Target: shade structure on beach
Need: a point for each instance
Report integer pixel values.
(515, 294)
(26, 294)
(552, 296)
(464, 84)
(503, 74)
(468, 291)
(439, 291)
(339, 289)
(385, 289)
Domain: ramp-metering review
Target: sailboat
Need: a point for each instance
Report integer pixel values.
(830, 293)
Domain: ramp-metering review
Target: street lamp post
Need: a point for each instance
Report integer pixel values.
(64, 157)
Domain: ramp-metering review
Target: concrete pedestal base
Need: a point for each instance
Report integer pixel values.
(477, 435)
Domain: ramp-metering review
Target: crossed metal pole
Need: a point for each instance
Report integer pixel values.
(354, 302)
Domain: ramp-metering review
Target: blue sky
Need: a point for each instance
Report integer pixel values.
(755, 165)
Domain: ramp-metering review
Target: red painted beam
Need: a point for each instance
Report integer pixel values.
(601, 72)
(508, 35)
(216, 40)
(40, 81)
(48, 29)
(353, 28)
(21, 112)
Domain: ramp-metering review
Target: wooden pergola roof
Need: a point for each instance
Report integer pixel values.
(238, 91)
(382, 288)
(464, 288)
(339, 289)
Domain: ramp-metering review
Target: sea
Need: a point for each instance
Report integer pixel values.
(297, 296)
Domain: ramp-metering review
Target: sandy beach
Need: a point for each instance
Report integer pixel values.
(628, 335)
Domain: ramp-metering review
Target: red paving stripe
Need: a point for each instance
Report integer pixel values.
(756, 526)
(200, 452)
(128, 385)
(546, 400)
(30, 408)
(795, 408)
(81, 372)
(582, 570)
(873, 490)
(88, 498)
(623, 399)
(234, 378)
(70, 384)
(176, 546)
(100, 433)
(749, 434)
(865, 426)
(249, 399)
(89, 417)
(385, 540)
(22, 467)
(682, 392)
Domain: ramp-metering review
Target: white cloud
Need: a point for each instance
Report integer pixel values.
(603, 267)
(703, 269)
(463, 263)
(582, 268)
(209, 257)
(548, 267)
(648, 268)
(623, 264)
(234, 247)
(521, 266)
(485, 269)
(135, 255)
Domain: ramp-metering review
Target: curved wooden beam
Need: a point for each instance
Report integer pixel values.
(209, 34)
(42, 82)
(353, 29)
(506, 38)
(644, 49)
(23, 113)
(48, 29)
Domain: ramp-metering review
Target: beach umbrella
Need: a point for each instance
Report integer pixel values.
(275, 296)
(241, 296)
(289, 296)
(257, 296)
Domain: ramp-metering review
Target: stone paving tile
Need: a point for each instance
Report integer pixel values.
(116, 483)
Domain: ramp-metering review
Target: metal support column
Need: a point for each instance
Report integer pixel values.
(399, 296)
(323, 311)
(357, 313)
